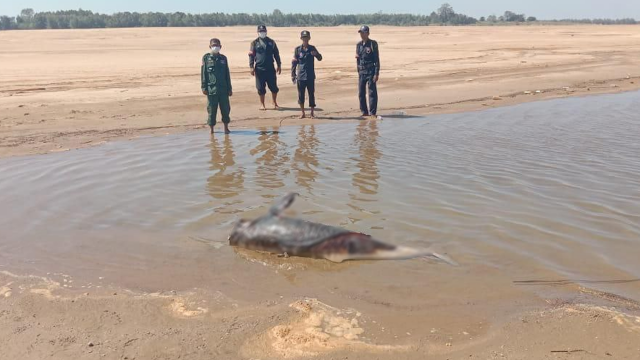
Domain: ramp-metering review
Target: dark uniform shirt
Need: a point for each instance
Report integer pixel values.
(305, 63)
(215, 75)
(262, 53)
(368, 57)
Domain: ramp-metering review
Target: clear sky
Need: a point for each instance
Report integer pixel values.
(543, 9)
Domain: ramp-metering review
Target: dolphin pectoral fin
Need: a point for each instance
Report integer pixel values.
(282, 204)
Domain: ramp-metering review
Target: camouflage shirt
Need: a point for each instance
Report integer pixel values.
(215, 75)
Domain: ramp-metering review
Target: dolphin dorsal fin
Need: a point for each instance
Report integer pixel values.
(282, 204)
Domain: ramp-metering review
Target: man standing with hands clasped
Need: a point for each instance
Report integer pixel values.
(216, 84)
(368, 61)
(262, 53)
(303, 71)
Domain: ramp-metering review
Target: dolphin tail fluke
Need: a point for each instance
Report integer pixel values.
(282, 204)
(441, 257)
(404, 253)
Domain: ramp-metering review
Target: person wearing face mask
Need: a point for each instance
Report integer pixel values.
(303, 71)
(262, 53)
(368, 61)
(216, 84)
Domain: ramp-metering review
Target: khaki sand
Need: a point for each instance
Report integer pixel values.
(47, 317)
(68, 89)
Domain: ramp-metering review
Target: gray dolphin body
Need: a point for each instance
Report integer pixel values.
(277, 234)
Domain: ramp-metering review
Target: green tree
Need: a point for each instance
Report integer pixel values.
(40, 21)
(446, 13)
(7, 23)
(510, 16)
(27, 13)
(434, 18)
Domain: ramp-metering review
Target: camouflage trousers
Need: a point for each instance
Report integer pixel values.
(221, 101)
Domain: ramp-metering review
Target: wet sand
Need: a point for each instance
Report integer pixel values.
(42, 319)
(120, 250)
(62, 89)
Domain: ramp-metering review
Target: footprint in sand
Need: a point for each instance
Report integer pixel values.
(5, 291)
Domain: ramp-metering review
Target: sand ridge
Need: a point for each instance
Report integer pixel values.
(320, 328)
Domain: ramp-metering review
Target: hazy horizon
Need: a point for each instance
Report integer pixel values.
(542, 9)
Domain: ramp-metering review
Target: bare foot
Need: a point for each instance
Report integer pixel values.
(226, 129)
(211, 129)
(313, 116)
(303, 116)
(276, 107)
(263, 109)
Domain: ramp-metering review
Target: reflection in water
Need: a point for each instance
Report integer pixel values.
(305, 158)
(365, 179)
(227, 180)
(272, 164)
(366, 139)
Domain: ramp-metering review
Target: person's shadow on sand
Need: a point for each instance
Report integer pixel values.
(284, 108)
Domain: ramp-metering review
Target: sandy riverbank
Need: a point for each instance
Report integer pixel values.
(63, 89)
(56, 318)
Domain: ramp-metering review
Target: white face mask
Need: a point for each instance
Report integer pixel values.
(215, 49)
(262, 35)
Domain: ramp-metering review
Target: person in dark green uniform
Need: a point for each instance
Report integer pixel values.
(216, 84)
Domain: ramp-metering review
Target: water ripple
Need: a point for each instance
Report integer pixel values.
(555, 182)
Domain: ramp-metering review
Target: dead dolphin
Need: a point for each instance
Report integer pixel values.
(281, 235)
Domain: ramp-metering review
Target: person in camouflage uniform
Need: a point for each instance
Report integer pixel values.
(216, 84)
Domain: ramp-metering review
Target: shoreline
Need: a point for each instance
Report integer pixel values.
(62, 142)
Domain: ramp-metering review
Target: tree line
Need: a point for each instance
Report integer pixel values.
(625, 21)
(510, 16)
(85, 19)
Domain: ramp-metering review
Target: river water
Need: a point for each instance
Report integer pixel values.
(532, 201)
